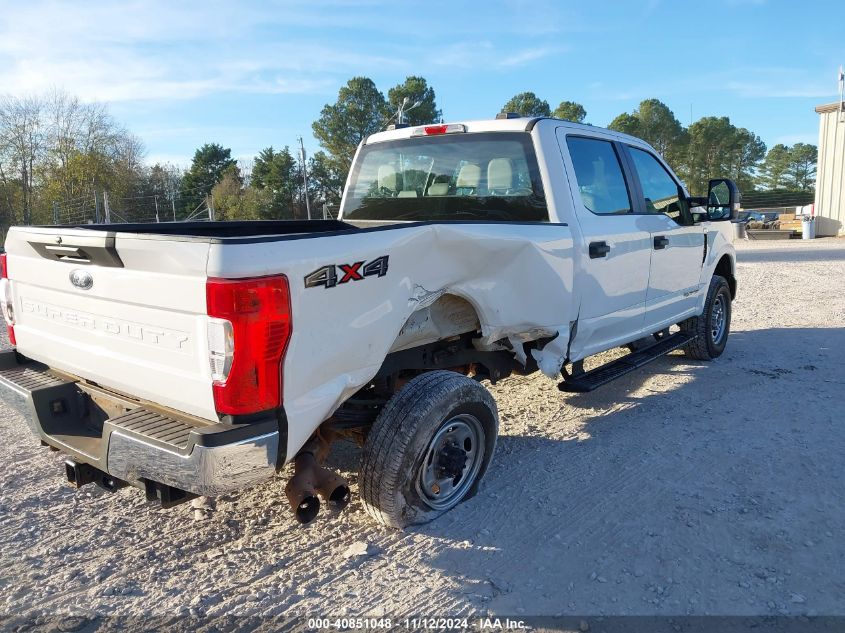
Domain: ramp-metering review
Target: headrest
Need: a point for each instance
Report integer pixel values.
(469, 176)
(499, 174)
(387, 177)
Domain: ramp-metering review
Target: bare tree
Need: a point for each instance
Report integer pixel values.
(67, 122)
(22, 144)
(55, 148)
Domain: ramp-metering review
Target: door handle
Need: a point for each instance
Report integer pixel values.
(661, 241)
(598, 249)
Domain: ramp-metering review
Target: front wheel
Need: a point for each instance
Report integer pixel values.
(428, 449)
(713, 325)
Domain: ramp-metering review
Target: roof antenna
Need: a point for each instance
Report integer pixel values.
(400, 114)
(403, 109)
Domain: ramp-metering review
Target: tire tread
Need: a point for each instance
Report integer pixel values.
(393, 431)
(699, 347)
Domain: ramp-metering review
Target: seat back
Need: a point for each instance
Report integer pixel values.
(499, 176)
(439, 187)
(388, 178)
(469, 177)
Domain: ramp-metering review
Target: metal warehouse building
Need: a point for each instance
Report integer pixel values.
(830, 173)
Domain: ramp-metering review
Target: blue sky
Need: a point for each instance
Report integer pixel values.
(252, 74)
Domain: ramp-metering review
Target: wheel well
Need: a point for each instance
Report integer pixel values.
(448, 316)
(725, 269)
(457, 354)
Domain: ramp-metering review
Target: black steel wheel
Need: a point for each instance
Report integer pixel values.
(428, 449)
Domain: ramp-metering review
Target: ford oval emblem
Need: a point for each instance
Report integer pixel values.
(81, 279)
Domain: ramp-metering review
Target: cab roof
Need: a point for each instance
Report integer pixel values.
(514, 124)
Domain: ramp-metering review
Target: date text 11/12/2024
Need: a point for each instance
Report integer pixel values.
(433, 623)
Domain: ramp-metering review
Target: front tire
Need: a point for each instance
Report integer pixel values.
(713, 326)
(428, 449)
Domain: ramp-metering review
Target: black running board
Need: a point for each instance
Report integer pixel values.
(628, 363)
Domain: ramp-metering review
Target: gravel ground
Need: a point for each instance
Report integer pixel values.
(685, 488)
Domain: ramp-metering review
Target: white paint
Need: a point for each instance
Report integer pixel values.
(525, 282)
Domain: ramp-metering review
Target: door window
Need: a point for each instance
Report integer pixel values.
(662, 194)
(598, 171)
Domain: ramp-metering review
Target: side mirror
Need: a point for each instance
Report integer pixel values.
(722, 200)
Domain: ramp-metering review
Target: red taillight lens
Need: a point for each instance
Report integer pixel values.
(7, 298)
(434, 130)
(259, 311)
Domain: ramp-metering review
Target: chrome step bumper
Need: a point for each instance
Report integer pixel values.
(144, 446)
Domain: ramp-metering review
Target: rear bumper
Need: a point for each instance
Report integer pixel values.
(139, 444)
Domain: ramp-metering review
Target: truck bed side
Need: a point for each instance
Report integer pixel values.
(517, 276)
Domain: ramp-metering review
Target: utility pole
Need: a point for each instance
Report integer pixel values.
(55, 212)
(96, 208)
(106, 206)
(173, 205)
(156, 201)
(209, 202)
(304, 177)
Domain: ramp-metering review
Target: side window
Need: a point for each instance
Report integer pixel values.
(662, 194)
(599, 175)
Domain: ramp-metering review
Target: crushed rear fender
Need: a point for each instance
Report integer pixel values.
(348, 311)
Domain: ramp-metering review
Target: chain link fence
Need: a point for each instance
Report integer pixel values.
(98, 208)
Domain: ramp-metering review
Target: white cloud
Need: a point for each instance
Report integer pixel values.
(774, 82)
(747, 82)
(156, 50)
(485, 55)
(528, 55)
(170, 50)
(775, 89)
(462, 54)
(159, 158)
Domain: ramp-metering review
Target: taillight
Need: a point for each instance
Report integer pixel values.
(6, 299)
(248, 332)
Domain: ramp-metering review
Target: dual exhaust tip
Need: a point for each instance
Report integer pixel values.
(309, 480)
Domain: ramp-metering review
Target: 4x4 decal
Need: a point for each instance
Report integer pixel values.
(327, 276)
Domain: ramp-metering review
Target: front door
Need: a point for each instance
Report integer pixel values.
(613, 269)
(677, 243)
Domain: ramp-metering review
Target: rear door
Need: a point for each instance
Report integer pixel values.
(127, 311)
(677, 242)
(617, 246)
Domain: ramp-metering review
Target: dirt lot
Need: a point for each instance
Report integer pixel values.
(686, 488)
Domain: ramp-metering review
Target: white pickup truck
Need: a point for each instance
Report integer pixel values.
(199, 358)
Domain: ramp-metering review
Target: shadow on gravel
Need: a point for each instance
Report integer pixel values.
(345, 456)
(707, 480)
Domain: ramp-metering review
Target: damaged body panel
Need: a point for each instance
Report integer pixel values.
(517, 283)
(197, 358)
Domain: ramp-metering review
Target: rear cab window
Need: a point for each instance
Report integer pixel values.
(490, 176)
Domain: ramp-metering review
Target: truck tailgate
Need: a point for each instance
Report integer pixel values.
(139, 327)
